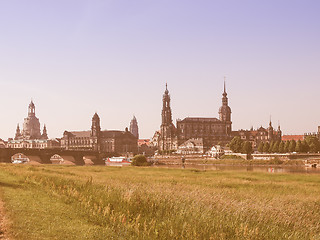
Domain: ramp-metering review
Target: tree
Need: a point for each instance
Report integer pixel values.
(299, 146)
(313, 143)
(281, 147)
(292, 146)
(275, 148)
(305, 146)
(271, 146)
(286, 147)
(260, 147)
(236, 144)
(247, 148)
(266, 147)
(140, 160)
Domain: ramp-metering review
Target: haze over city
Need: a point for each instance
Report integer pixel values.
(76, 58)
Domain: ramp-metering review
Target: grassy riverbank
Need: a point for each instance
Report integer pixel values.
(59, 202)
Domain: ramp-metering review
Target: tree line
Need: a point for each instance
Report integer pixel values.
(310, 144)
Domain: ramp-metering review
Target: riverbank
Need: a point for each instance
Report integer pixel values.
(99, 202)
(174, 160)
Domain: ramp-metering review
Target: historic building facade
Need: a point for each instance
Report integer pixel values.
(31, 126)
(259, 135)
(209, 131)
(115, 141)
(31, 136)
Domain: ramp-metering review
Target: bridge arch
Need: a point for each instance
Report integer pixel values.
(19, 158)
(62, 159)
(22, 157)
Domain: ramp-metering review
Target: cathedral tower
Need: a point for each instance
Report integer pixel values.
(225, 111)
(168, 138)
(134, 127)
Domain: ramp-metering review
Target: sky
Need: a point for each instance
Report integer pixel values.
(114, 57)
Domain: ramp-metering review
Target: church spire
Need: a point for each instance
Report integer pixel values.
(44, 133)
(225, 110)
(166, 109)
(18, 133)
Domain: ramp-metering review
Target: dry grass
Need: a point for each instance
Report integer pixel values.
(149, 203)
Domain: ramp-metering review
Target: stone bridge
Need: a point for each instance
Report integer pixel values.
(44, 155)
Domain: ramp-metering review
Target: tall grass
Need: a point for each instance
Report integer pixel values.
(183, 204)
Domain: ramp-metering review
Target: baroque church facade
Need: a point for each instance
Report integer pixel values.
(31, 136)
(205, 131)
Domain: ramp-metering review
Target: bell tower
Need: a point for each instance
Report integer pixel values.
(95, 132)
(225, 110)
(168, 137)
(166, 109)
(134, 127)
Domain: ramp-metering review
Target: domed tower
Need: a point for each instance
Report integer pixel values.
(167, 129)
(225, 111)
(95, 132)
(134, 127)
(31, 125)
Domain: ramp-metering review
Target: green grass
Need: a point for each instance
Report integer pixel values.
(98, 202)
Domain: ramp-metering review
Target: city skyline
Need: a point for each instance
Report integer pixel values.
(82, 57)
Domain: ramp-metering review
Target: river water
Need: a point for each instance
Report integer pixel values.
(248, 168)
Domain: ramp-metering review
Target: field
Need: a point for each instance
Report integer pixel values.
(97, 202)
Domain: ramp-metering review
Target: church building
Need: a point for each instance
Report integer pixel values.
(108, 141)
(31, 136)
(206, 131)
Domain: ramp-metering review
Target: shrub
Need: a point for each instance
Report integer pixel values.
(140, 160)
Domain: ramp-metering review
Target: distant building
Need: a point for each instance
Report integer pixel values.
(315, 134)
(293, 137)
(2, 143)
(115, 141)
(259, 135)
(145, 147)
(31, 126)
(30, 136)
(134, 127)
(217, 151)
(191, 146)
(210, 130)
(34, 143)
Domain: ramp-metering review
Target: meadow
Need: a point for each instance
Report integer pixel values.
(98, 202)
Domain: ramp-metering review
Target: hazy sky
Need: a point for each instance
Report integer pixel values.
(114, 57)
